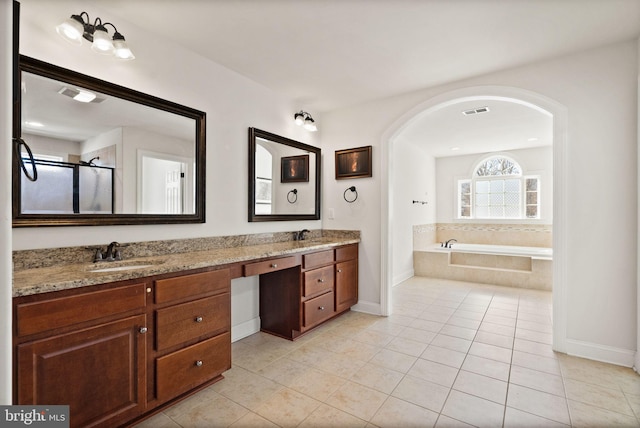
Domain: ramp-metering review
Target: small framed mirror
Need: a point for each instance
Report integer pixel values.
(284, 178)
(116, 156)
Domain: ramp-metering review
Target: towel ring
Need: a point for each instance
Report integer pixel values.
(353, 189)
(292, 199)
(19, 143)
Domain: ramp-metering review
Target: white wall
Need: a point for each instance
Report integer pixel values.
(231, 102)
(599, 90)
(413, 179)
(450, 169)
(6, 29)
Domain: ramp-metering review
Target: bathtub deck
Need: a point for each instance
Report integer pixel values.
(506, 270)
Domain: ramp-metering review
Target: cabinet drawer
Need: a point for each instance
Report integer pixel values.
(321, 258)
(318, 309)
(37, 317)
(318, 280)
(258, 268)
(181, 323)
(186, 286)
(189, 367)
(346, 253)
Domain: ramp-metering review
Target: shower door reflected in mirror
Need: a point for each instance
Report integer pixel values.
(121, 157)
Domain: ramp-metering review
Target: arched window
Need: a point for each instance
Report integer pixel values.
(498, 190)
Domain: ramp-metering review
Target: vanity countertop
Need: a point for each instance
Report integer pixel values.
(75, 275)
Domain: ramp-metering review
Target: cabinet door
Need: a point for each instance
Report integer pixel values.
(346, 285)
(99, 372)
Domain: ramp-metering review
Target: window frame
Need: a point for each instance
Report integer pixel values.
(472, 207)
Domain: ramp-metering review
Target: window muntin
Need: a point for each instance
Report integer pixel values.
(498, 190)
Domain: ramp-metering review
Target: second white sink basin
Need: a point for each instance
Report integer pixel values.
(118, 268)
(123, 265)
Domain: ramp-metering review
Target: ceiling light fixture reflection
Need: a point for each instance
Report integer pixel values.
(33, 124)
(305, 120)
(75, 28)
(81, 95)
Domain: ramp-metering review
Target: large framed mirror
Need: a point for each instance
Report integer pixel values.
(284, 178)
(104, 154)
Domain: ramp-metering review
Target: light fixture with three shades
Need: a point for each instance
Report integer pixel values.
(74, 29)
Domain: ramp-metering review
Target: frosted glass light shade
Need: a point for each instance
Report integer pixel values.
(310, 125)
(122, 51)
(102, 42)
(71, 30)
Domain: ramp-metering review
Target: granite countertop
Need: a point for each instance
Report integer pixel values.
(75, 275)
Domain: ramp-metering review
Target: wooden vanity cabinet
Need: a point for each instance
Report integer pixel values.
(192, 336)
(117, 352)
(86, 350)
(299, 298)
(346, 277)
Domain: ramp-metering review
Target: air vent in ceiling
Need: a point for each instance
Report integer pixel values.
(477, 110)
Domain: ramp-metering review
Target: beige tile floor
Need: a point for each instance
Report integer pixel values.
(452, 354)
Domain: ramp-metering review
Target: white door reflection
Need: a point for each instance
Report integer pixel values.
(162, 183)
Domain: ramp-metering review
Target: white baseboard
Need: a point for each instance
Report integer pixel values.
(397, 279)
(245, 329)
(606, 354)
(367, 307)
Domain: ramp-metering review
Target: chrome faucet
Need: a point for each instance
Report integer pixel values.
(110, 255)
(448, 243)
(299, 236)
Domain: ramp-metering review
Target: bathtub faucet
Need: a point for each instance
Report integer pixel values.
(448, 243)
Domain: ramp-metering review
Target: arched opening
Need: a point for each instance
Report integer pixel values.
(518, 96)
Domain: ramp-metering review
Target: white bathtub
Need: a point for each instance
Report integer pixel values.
(507, 250)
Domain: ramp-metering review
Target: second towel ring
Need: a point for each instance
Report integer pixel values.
(353, 189)
(19, 142)
(292, 199)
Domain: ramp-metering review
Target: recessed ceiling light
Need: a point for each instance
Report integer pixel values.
(34, 124)
(455, 148)
(532, 139)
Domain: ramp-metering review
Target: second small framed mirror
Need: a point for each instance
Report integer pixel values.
(284, 178)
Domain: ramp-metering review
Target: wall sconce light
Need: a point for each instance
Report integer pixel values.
(74, 29)
(303, 118)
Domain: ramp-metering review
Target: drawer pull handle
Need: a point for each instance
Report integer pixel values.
(321, 308)
(148, 289)
(320, 279)
(143, 330)
(274, 265)
(339, 270)
(198, 319)
(199, 363)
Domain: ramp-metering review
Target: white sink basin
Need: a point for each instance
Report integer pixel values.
(119, 268)
(123, 265)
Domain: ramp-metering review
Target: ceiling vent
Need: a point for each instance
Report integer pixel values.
(477, 110)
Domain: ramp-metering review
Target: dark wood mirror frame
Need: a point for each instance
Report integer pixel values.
(257, 133)
(68, 76)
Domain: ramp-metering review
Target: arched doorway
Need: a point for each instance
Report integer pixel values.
(510, 94)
